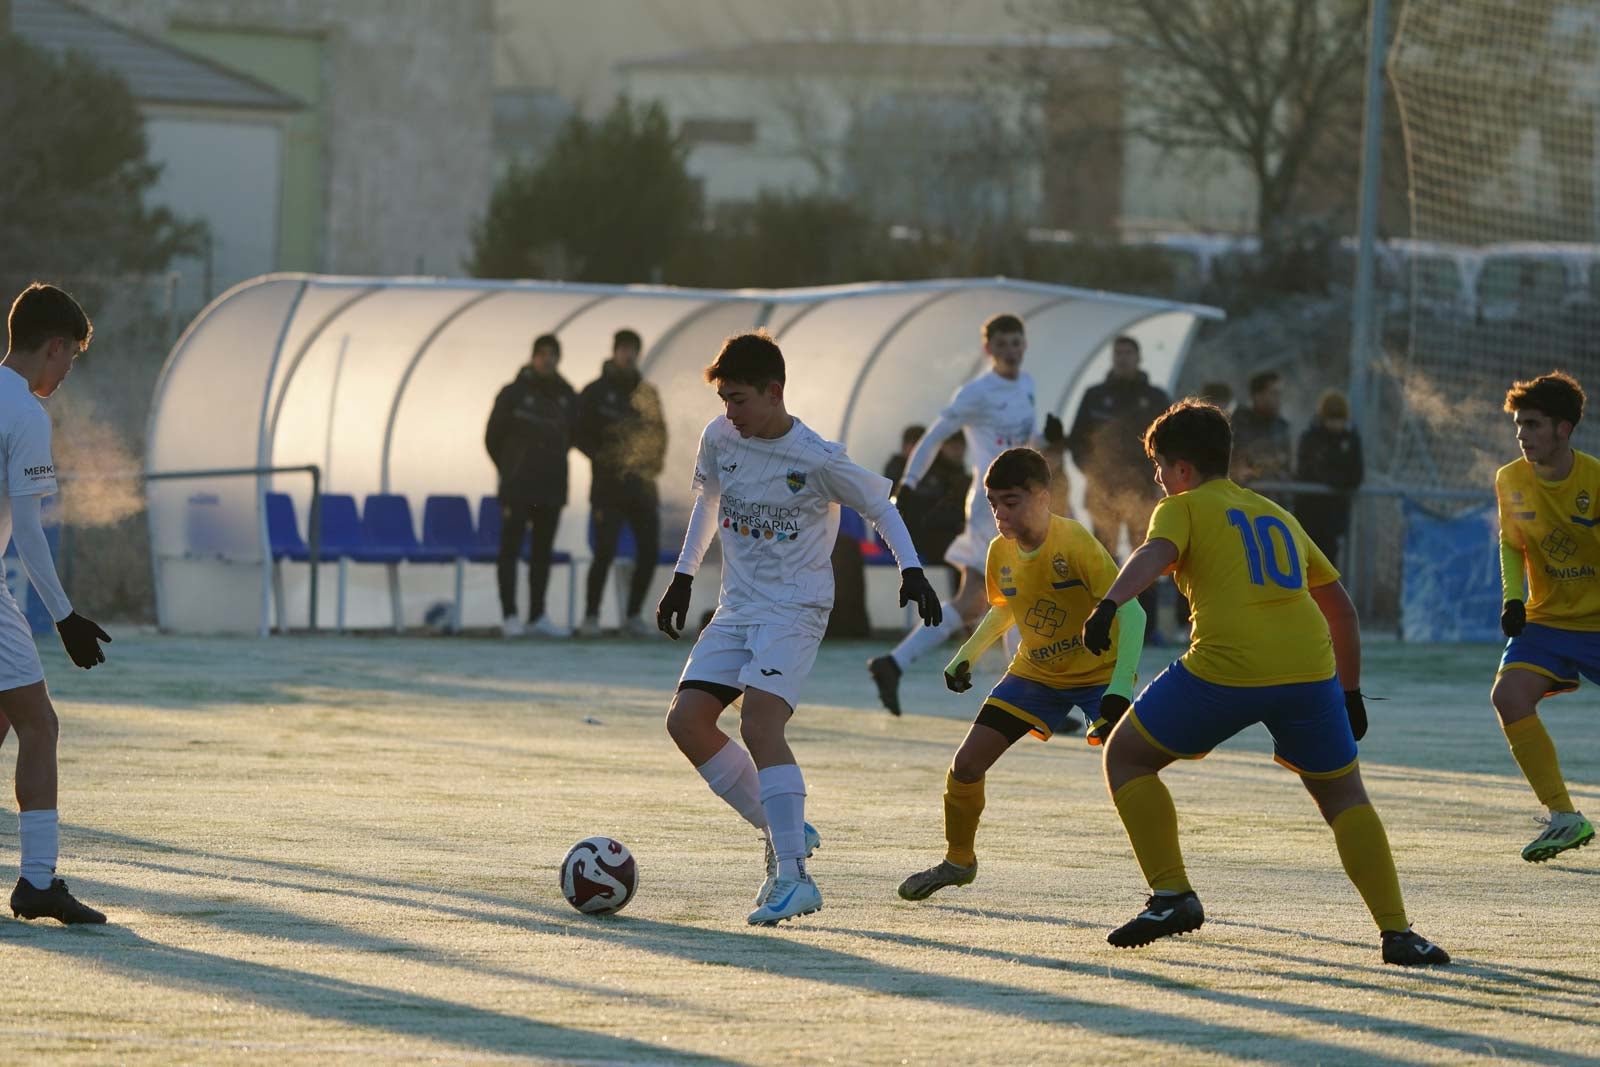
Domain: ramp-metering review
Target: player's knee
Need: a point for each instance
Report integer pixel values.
(1510, 704)
(684, 723)
(967, 768)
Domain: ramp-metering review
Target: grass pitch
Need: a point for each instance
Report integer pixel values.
(346, 849)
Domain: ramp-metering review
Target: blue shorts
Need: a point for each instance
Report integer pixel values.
(1043, 708)
(1559, 655)
(1187, 717)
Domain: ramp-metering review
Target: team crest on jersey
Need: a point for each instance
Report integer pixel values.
(796, 481)
(1059, 565)
(1583, 501)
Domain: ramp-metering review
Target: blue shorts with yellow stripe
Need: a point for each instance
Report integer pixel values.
(1187, 717)
(1042, 707)
(1559, 655)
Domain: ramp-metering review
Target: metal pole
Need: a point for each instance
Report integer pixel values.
(1364, 332)
(1363, 320)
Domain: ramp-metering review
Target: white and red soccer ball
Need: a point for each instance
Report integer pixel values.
(599, 875)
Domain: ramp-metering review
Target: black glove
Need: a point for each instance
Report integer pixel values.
(674, 602)
(1112, 709)
(1513, 618)
(914, 589)
(1355, 706)
(958, 679)
(1054, 432)
(82, 639)
(1097, 627)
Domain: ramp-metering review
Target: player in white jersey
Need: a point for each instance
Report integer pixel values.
(994, 412)
(46, 330)
(772, 487)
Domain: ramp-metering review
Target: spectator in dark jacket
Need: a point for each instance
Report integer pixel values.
(1262, 450)
(1330, 453)
(529, 433)
(895, 469)
(621, 429)
(1107, 444)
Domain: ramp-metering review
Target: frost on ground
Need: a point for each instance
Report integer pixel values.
(347, 848)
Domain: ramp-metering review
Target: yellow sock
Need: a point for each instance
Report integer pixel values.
(1152, 825)
(1364, 851)
(1535, 753)
(963, 804)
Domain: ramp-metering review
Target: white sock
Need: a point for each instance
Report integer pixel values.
(731, 774)
(783, 794)
(922, 638)
(41, 840)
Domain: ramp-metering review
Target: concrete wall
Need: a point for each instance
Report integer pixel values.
(405, 117)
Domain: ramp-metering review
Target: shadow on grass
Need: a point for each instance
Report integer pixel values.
(355, 1004)
(317, 996)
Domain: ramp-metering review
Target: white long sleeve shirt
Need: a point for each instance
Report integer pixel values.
(776, 504)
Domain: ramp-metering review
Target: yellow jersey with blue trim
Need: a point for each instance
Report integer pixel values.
(1248, 570)
(1050, 593)
(1554, 525)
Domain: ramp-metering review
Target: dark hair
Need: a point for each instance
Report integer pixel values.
(1003, 323)
(625, 337)
(547, 340)
(1260, 383)
(1219, 393)
(1124, 339)
(1556, 394)
(912, 434)
(42, 312)
(1017, 468)
(1195, 431)
(752, 359)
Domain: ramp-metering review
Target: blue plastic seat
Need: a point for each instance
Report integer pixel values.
(283, 530)
(447, 526)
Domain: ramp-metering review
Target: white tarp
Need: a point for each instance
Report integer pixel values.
(386, 384)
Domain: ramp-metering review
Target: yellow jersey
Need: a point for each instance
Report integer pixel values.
(1553, 525)
(1247, 568)
(1050, 593)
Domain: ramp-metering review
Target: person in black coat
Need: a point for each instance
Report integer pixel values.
(529, 434)
(1330, 453)
(1262, 449)
(621, 428)
(1107, 444)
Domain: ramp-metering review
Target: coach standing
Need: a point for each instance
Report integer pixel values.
(1107, 444)
(621, 429)
(529, 433)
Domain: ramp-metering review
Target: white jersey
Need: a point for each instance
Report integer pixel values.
(776, 504)
(994, 414)
(26, 467)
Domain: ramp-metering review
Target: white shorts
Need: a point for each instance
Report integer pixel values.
(19, 656)
(971, 547)
(775, 657)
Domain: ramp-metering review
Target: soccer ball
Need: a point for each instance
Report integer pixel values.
(599, 876)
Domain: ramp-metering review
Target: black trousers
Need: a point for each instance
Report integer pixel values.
(1109, 513)
(515, 518)
(637, 505)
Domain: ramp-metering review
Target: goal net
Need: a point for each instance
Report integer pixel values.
(1500, 278)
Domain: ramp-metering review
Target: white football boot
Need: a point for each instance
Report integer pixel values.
(787, 898)
(589, 627)
(813, 842)
(511, 626)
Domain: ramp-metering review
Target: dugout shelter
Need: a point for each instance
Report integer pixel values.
(384, 385)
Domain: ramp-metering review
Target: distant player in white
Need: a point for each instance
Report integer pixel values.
(46, 330)
(773, 487)
(994, 412)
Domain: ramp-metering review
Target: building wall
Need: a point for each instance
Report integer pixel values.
(403, 116)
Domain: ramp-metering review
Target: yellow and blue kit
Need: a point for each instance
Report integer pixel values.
(1047, 594)
(1260, 649)
(1548, 540)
